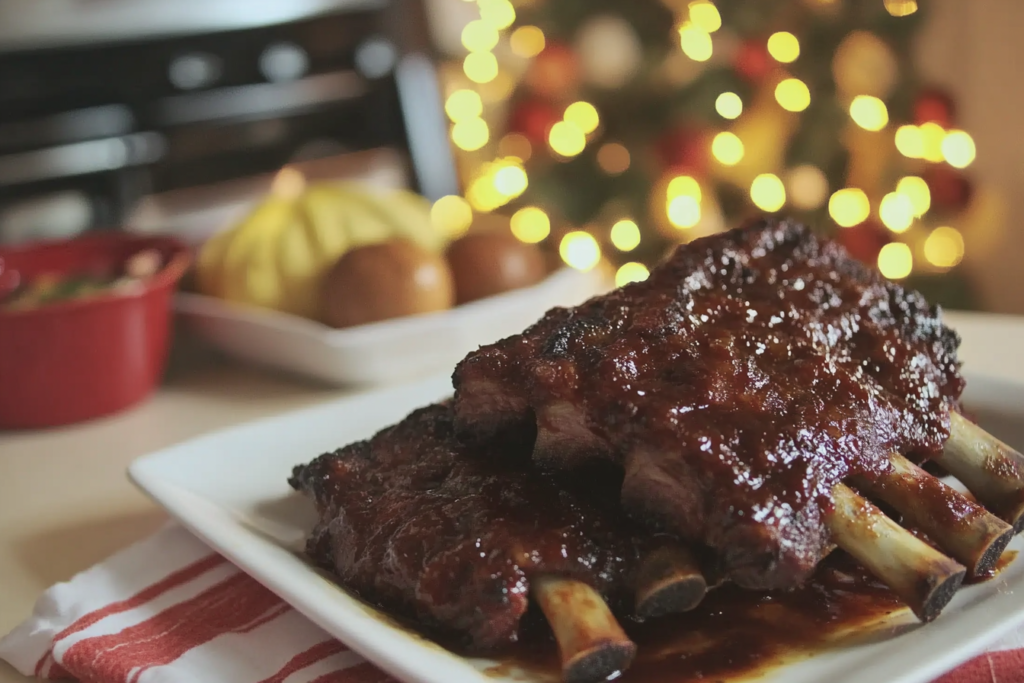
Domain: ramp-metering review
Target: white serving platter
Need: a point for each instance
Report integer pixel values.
(384, 352)
(229, 488)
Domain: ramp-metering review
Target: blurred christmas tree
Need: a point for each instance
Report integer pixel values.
(627, 127)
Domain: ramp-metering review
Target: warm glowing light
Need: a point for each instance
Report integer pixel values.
(451, 215)
(806, 187)
(869, 112)
(584, 115)
(895, 261)
(727, 148)
(849, 207)
(792, 95)
(482, 196)
(784, 47)
(530, 225)
(729, 105)
(498, 13)
(470, 134)
(695, 41)
(463, 104)
(917, 190)
(631, 272)
(896, 211)
(910, 142)
(683, 211)
(511, 181)
(932, 137)
(944, 247)
(480, 67)
(625, 235)
(705, 16)
(515, 145)
(479, 36)
(567, 139)
(613, 158)
(288, 183)
(684, 185)
(527, 41)
(900, 8)
(580, 250)
(767, 192)
(958, 149)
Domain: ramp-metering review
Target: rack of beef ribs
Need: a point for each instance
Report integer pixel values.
(459, 542)
(738, 388)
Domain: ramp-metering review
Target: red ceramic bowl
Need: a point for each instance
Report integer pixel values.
(78, 359)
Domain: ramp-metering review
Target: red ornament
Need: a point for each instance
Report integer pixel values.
(950, 189)
(554, 73)
(752, 60)
(864, 241)
(533, 119)
(932, 104)
(686, 149)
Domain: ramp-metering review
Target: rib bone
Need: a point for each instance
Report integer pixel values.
(669, 581)
(968, 532)
(921, 576)
(592, 644)
(990, 469)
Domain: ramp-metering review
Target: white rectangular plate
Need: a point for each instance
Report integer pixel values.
(230, 489)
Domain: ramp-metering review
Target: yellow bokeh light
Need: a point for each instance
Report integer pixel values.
(470, 134)
(625, 235)
(511, 181)
(530, 224)
(896, 212)
(792, 94)
(932, 137)
(895, 261)
(567, 139)
(498, 13)
(479, 36)
(784, 47)
(944, 247)
(767, 192)
(527, 41)
(480, 67)
(849, 207)
(729, 105)
(900, 8)
(463, 104)
(695, 41)
(583, 115)
(482, 196)
(909, 142)
(613, 158)
(516, 145)
(631, 272)
(580, 250)
(451, 215)
(869, 112)
(705, 16)
(727, 148)
(684, 185)
(917, 190)
(683, 211)
(958, 149)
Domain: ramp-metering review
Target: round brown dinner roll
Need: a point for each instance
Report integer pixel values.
(491, 262)
(383, 281)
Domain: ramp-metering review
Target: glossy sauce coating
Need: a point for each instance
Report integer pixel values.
(752, 372)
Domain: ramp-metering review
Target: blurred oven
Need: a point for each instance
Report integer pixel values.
(105, 103)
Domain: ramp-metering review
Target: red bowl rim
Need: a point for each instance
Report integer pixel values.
(169, 275)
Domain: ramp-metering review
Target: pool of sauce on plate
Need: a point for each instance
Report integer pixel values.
(738, 634)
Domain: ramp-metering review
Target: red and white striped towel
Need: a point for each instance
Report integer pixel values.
(169, 610)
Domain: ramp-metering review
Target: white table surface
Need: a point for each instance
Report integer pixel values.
(66, 504)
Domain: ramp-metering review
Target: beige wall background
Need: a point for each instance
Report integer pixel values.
(975, 49)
